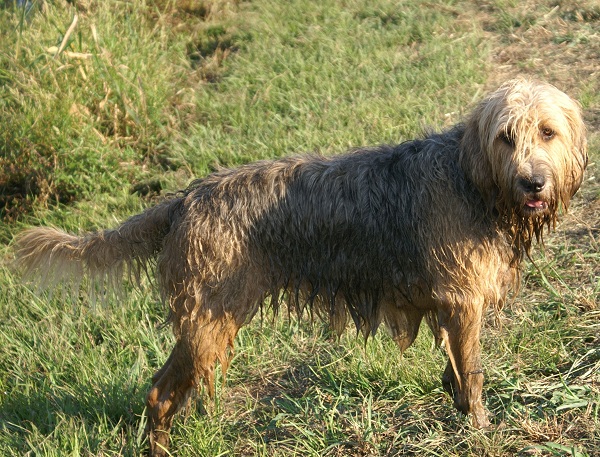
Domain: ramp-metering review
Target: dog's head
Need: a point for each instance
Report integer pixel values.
(524, 147)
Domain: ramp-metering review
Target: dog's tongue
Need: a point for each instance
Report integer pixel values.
(539, 204)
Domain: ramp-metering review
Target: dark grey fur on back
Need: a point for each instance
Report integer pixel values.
(354, 228)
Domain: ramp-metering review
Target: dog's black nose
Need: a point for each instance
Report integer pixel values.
(535, 183)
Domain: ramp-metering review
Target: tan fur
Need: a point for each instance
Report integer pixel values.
(434, 228)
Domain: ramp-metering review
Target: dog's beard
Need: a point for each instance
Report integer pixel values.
(524, 227)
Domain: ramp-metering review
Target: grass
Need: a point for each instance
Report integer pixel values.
(147, 94)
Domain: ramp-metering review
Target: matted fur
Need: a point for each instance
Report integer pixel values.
(433, 228)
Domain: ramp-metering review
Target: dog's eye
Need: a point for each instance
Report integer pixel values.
(547, 133)
(507, 139)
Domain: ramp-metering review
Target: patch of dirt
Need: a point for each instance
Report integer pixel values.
(557, 41)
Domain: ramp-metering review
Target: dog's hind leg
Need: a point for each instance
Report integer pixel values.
(200, 344)
(463, 377)
(171, 387)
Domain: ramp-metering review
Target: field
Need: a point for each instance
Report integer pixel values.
(105, 107)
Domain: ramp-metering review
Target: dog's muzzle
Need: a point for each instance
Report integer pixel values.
(531, 189)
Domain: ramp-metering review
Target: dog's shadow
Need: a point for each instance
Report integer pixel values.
(337, 408)
(47, 413)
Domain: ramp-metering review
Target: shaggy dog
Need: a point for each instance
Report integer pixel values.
(432, 228)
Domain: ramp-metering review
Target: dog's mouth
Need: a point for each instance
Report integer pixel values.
(535, 206)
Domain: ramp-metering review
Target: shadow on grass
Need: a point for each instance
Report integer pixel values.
(84, 417)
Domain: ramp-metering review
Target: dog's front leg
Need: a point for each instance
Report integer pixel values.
(463, 377)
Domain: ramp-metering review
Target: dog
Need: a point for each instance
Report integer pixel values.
(434, 228)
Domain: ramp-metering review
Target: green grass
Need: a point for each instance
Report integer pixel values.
(148, 94)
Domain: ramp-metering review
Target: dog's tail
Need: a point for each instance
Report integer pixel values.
(48, 256)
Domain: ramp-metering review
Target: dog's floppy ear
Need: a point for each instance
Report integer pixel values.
(578, 133)
(475, 161)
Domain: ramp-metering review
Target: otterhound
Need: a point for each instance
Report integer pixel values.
(432, 228)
